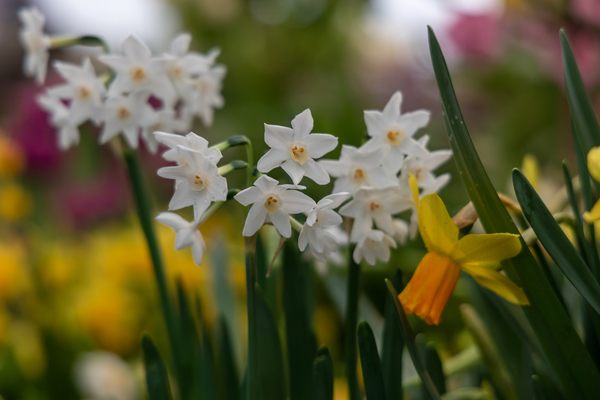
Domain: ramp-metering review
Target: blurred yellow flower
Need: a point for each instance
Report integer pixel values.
(28, 348)
(12, 159)
(531, 169)
(15, 202)
(593, 164)
(14, 276)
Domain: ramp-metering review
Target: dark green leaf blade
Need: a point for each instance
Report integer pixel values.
(572, 365)
(157, 381)
(369, 360)
(556, 242)
(323, 375)
(433, 363)
(228, 375)
(300, 339)
(393, 345)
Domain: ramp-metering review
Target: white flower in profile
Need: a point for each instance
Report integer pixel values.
(295, 149)
(197, 181)
(137, 70)
(401, 230)
(204, 95)
(102, 375)
(422, 167)
(122, 114)
(273, 203)
(35, 42)
(314, 232)
(334, 238)
(186, 234)
(393, 131)
(83, 90)
(375, 205)
(191, 141)
(373, 245)
(68, 134)
(358, 168)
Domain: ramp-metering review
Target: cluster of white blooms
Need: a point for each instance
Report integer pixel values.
(139, 94)
(374, 178)
(198, 183)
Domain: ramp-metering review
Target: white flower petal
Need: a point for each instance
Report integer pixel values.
(249, 195)
(302, 124)
(278, 137)
(294, 170)
(281, 222)
(316, 172)
(255, 219)
(393, 106)
(271, 159)
(295, 202)
(320, 144)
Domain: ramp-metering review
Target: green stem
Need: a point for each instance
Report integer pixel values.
(350, 329)
(144, 213)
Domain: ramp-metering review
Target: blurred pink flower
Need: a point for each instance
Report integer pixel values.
(477, 35)
(586, 10)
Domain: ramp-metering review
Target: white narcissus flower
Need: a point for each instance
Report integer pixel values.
(191, 141)
(393, 131)
(273, 203)
(204, 95)
(375, 205)
(295, 149)
(122, 114)
(186, 234)
(373, 245)
(314, 232)
(68, 134)
(197, 181)
(333, 240)
(137, 70)
(83, 90)
(422, 167)
(35, 42)
(358, 168)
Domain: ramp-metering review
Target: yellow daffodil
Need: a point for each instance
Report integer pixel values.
(479, 255)
(593, 163)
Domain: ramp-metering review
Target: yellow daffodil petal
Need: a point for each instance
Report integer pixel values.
(593, 215)
(486, 249)
(430, 287)
(497, 283)
(531, 169)
(438, 231)
(593, 162)
(413, 183)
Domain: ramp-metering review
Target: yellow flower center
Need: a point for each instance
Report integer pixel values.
(359, 175)
(176, 72)
(430, 287)
(394, 136)
(123, 113)
(84, 92)
(299, 153)
(374, 206)
(272, 203)
(138, 74)
(199, 183)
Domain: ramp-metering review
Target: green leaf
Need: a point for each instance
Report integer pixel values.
(300, 339)
(573, 367)
(157, 381)
(556, 242)
(270, 371)
(352, 297)
(369, 360)
(393, 345)
(189, 339)
(433, 363)
(230, 387)
(409, 340)
(323, 375)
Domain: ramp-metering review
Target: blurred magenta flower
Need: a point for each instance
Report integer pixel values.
(477, 35)
(586, 10)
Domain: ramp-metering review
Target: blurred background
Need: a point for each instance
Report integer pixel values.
(76, 288)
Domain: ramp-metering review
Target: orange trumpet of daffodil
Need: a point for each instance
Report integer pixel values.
(479, 255)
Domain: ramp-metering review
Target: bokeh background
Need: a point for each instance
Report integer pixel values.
(76, 289)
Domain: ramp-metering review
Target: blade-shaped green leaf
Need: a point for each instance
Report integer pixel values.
(157, 381)
(409, 340)
(352, 297)
(300, 339)
(572, 365)
(433, 363)
(556, 242)
(393, 345)
(228, 375)
(369, 361)
(323, 375)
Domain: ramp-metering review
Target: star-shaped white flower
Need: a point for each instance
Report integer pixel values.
(358, 168)
(376, 205)
(191, 141)
(422, 166)
(393, 131)
(203, 95)
(295, 149)
(373, 245)
(123, 114)
(68, 134)
(83, 90)
(273, 203)
(186, 234)
(137, 70)
(197, 181)
(35, 42)
(314, 232)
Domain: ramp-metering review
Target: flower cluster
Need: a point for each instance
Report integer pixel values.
(374, 177)
(138, 94)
